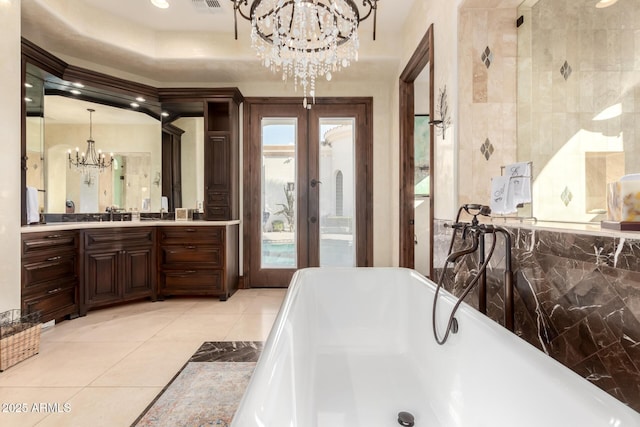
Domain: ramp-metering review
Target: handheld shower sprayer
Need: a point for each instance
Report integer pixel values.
(476, 231)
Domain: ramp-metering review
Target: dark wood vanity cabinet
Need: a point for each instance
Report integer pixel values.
(49, 278)
(198, 260)
(118, 265)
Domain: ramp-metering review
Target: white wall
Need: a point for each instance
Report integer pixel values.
(10, 106)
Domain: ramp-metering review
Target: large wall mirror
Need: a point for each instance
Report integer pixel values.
(58, 121)
(61, 115)
(578, 102)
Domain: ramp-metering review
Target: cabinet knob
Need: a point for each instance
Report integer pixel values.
(191, 247)
(54, 258)
(53, 236)
(54, 291)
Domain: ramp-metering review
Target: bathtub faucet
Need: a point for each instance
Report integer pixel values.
(476, 231)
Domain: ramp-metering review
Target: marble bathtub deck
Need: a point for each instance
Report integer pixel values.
(110, 365)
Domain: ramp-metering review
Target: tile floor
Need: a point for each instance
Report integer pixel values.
(108, 366)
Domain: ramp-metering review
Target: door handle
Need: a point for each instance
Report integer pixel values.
(315, 182)
(313, 220)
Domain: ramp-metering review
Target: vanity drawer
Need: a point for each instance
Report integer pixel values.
(118, 237)
(36, 243)
(191, 235)
(36, 273)
(217, 213)
(212, 256)
(191, 282)
(56, 303)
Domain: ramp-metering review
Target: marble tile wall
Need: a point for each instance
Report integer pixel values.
(577, 299)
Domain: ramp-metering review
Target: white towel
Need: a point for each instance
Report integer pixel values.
(164, 204)
(520, 186)
(500, 201)
(33, 214)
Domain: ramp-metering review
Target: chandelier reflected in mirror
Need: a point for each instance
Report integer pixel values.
(91, 159)
(305, 39)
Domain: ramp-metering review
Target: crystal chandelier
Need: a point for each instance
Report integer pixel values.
(91, 158)
(305, 39)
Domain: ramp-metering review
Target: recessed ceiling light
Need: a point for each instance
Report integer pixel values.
(164, 114)
(28, 85)
(26, 98)
(140, 99)
(75, 91)
(134, 105)
(605, 3)
(162, 4)
(77, 84)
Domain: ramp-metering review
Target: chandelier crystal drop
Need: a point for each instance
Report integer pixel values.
(305, 39)
(91, 159)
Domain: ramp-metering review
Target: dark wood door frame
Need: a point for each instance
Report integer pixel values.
(363, 110)
(421, 58)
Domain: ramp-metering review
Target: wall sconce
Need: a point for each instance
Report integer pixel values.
(442, 108)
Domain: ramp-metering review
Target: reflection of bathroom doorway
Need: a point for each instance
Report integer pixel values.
(410, 81)
(118, 180)
(130, 182)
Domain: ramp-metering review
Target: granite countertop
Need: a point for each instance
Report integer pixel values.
(59, 226)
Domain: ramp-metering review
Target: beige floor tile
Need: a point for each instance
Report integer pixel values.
(198, 327)
(34, 403)
(135, 327)
(151, 364)
(103, 406)
(237, 304)
(67, 364)
(264, 305)
(252, 327)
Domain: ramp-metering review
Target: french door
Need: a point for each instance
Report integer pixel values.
(307, 187)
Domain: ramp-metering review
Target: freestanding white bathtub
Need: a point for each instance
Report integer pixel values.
(354, 347)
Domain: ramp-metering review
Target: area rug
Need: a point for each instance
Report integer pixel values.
(207, 390)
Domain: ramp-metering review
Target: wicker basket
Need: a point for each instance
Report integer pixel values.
(19, 337)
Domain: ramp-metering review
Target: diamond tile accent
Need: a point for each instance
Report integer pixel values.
(487, 57)
(565, 70)
(566, 196)
(487, 149)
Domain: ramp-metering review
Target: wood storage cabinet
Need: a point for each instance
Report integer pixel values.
(49, 274)
(221, 156)
(119, 265)
(198, 260)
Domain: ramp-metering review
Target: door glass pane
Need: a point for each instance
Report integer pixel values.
(337, 189)
(279, 204)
